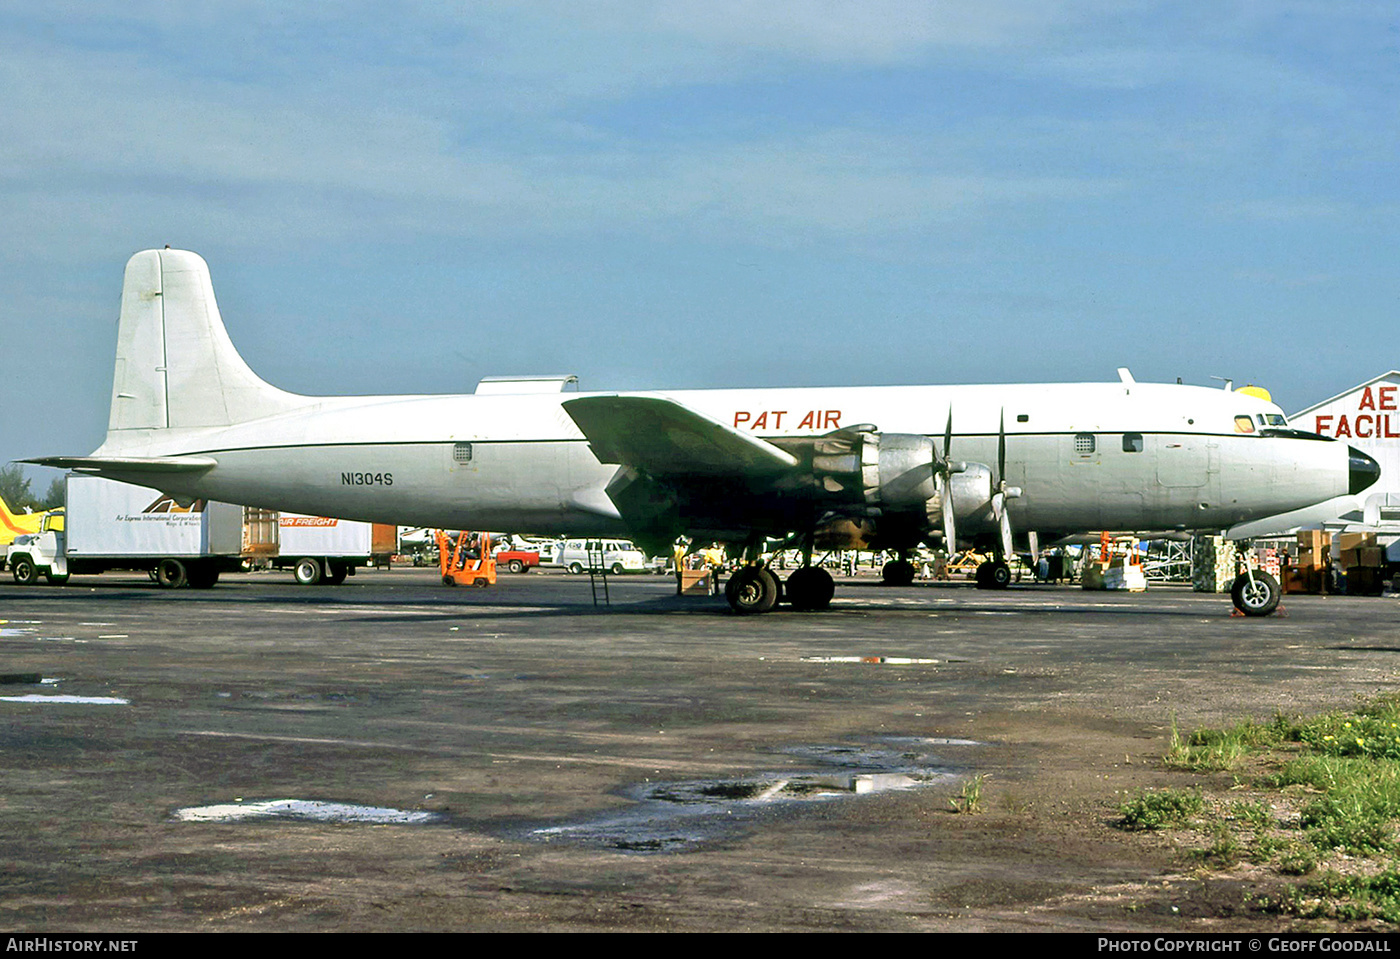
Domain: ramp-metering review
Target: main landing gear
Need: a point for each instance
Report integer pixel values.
(755, 589)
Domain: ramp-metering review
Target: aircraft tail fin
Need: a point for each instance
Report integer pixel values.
(176, 366)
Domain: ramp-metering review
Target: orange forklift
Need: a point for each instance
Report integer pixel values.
(467, 560)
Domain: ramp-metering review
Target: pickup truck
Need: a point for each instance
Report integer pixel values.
(517, 560)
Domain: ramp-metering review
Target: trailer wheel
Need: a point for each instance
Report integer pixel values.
(24, 571)
(307, 571)
(171, 574)
(203, 576)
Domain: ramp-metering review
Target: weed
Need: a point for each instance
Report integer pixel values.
(969, 799)
(1158, 809)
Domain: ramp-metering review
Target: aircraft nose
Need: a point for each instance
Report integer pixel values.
(1364, 470)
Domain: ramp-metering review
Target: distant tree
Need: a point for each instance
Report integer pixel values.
(58, 492)
(14, 488)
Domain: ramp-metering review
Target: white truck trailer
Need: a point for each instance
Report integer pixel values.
(112, 525)
(115, 526)
(319, 549)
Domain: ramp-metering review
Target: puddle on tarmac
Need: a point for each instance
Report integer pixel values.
(85, 700)
(307, 810)
(683, 816)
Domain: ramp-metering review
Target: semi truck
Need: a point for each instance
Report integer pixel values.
(118, 526)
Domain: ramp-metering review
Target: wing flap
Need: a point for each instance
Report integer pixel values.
(663, 438)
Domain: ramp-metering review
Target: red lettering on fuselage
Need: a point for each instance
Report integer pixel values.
(773, 419)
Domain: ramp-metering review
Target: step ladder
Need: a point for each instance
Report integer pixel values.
(598, 576)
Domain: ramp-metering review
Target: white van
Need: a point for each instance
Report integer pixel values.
(618, 556)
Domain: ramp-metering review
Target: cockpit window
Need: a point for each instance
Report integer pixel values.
(1244, 423)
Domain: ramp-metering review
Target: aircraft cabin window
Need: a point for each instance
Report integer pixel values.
(1084, 443)
(461, 452)
(1132, 442)
(1244, 424)
(1023, 418)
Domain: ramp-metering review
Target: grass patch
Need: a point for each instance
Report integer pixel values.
(1159, 809)
(1323, 804)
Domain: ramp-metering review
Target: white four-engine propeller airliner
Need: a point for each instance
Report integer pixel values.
(874, 467)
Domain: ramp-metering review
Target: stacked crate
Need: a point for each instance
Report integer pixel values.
(1364, 562)
(1309, 573)
(1212, 564)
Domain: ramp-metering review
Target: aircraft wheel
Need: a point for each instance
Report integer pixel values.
(171, 574)
(307, 571)
(898, 572)
(1259, 598)
(993, 574)
(24, 571)
(751, 590)
(810, 587)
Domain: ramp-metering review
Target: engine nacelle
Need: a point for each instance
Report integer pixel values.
(882, 470)
(898, 473)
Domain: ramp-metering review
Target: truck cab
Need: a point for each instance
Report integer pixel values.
(34, 554)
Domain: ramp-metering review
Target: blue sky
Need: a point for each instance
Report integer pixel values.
(408, 197)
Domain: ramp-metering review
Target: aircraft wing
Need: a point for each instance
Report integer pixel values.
(662, 438)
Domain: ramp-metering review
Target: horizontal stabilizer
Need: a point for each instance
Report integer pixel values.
(127, 464)
(663, 438)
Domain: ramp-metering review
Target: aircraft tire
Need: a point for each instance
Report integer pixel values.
(1257, 599)
(24, 571)
(307, 571)
(993, 574)
(172, 574)
(810, 588)
(751, 590)
(898, 572)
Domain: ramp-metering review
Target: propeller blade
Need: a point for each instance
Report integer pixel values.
(948, 435)
(950, 533)
(1001, 449)
(1003, 523)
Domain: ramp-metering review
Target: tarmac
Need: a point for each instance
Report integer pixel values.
(393, 754)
